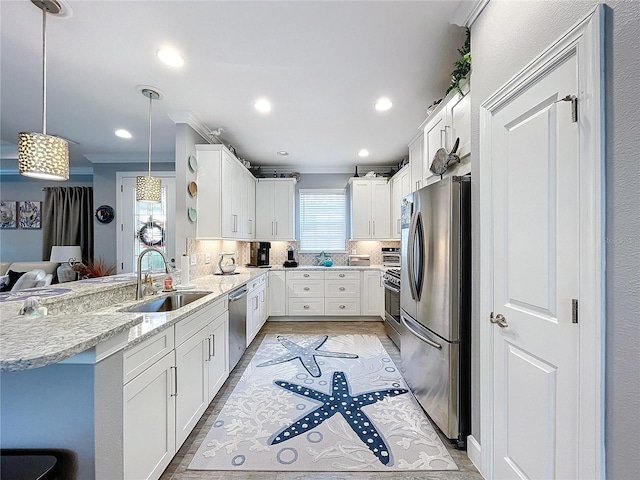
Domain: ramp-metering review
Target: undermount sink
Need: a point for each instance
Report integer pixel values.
(169, 303)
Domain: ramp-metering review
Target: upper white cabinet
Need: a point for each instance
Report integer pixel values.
(400, 188)
(370, 211)
(451, 120)
(226, 192)
(416, 163)
(275, 209)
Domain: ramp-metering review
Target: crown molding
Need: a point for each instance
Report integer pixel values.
(131, 158)
(467, 12)
(188, 117)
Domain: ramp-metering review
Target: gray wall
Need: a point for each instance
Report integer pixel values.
(104, 193)
(20, 245)
(505, 37)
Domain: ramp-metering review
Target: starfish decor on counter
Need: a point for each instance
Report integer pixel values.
(339, 400)
(321, 258)
(306, 354)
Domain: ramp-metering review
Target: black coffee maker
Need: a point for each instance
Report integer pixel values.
(259, 254)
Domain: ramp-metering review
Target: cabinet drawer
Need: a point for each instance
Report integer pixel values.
(306, 306)
(255, 283)
(342, 288)
(342, 275)
(306, 288)
(342, 306)
(142, 356)
(190, 325)
(305, 275)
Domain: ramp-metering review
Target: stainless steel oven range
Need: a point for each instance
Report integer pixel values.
(392, 322)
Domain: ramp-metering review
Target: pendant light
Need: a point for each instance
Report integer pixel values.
(149, 189)
(40, 155)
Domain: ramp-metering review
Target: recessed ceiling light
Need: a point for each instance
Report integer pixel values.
(262, 105)
(122, 133)
(171, 57)
(283, 153)
(363, 153)
(383, 104)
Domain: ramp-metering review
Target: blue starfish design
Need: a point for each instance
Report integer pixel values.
(339, 400)
(307, 355)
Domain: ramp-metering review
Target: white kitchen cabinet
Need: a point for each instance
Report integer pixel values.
(342, 293)
(277, 291)
(305, 292)
(226, 192)
(218, 354)
(370, 209)
(416, 162)
(256, 306)
(192, 376)
(149, 420)
(372, 293)
(275, 209)
(400, 188)
(451, 120)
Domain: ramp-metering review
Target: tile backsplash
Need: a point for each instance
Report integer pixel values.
(278, 253)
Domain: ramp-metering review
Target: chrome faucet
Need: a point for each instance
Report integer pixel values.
(140, 291)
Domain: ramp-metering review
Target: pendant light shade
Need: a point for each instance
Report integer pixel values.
(40, 155)
(43, 156)
(149, 189)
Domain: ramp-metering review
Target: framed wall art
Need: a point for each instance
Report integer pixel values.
(8, 217)
(30, 214)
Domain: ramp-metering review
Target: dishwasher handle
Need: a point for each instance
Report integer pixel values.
(237, 294)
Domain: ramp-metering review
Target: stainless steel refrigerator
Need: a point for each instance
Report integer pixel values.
(435, 302)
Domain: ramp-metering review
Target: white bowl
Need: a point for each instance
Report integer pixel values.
(228, 268)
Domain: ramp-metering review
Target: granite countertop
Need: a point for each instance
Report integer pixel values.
(32, 342)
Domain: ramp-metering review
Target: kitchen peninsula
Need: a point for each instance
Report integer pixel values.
(86, 376)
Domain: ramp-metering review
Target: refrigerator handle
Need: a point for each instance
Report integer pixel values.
(410, 253)
(419, 233)
(421, 337)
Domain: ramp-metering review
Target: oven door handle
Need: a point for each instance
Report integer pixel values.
(391, 287)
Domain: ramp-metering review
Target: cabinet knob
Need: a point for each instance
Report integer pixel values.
(342, 289)
(306, 307)
(306, 289)
(306, 275)
(342, 307)
(341, 275)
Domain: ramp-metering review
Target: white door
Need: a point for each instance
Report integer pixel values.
(144, 224)
(535, 259)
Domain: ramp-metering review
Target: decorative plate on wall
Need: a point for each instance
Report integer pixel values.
(193, 163)
(104, 213)
(192, 188)
(193, 214)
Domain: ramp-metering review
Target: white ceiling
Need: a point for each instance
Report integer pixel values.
(322, 64)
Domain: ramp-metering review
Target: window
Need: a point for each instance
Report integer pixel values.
(323, 220)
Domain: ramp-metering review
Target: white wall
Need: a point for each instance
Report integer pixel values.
(505, 37)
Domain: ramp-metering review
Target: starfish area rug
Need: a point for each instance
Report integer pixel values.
(322, 403)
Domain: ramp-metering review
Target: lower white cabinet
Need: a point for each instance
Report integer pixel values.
(277, 292)
(169, 380)
(372, 293)
(149, 420)
(256, 306)
(192, 377)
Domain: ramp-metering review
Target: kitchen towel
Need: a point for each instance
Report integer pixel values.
(322, 403)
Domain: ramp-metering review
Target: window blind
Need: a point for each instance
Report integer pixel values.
(323, 220)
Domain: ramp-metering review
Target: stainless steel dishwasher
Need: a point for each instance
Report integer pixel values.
(237, 325)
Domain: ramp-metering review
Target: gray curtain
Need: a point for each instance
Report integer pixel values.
(67, 219)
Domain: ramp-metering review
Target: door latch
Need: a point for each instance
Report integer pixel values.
(574, 106)
(498, 320)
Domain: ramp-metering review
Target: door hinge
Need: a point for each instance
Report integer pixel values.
(121, 265)
(122, 227)
(121, 188)
(574, 310)
(574, 106)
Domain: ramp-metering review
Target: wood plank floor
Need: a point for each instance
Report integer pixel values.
(177, 470)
